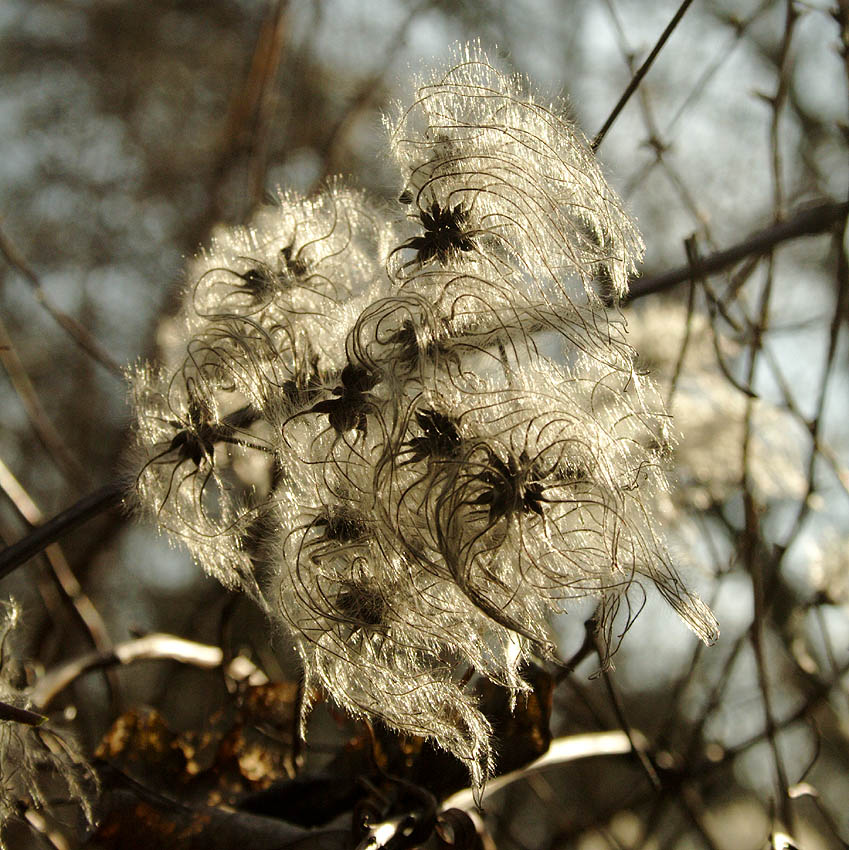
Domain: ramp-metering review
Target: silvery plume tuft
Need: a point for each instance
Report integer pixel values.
(413, 437)
(41, 770)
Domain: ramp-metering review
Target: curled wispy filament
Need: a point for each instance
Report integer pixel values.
(530, 190)
(428, 435)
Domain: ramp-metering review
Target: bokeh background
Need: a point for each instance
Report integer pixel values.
(129, 130)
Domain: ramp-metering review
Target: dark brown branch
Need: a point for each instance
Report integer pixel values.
(245, 134)
(643, 758)
(641, 72)
(85, 509)
(20, 715)
(809, 222)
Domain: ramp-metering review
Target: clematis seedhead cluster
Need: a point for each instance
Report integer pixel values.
(413, 433)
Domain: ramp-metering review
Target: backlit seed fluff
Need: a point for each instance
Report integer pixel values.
(412, 441)
(38, 767)
(514, 177)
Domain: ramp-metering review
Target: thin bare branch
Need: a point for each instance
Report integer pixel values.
(250, 113)
(562, 750)
(640, 74)
(808, 222)
(40, 824)
(73, 592)
(107, 497)
(70, 325)
(152, 647)
(15, 714)
(44, 429)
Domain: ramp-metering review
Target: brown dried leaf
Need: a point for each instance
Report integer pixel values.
(233, 755)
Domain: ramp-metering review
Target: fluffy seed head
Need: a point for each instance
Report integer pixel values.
(427, 438)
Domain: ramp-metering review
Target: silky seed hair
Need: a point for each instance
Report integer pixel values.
(413, 438)
(182, 482)
(517, 177)
(38, 766)
(382, 635)
(304, 268)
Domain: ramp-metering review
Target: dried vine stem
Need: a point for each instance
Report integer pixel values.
(808, 222)
(107, 497)
(640, 74)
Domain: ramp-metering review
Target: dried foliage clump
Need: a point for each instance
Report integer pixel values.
(411, 440)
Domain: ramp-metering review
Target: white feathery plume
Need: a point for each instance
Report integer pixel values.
(38, 766)
(367, 430)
